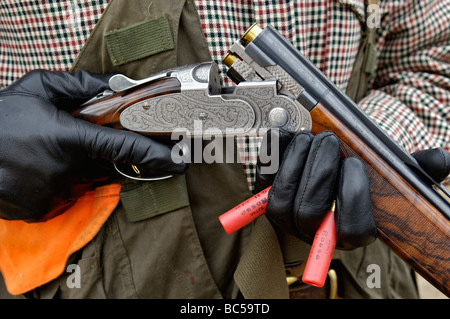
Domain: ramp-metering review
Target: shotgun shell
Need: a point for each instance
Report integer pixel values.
(245, 213)
(251, 34)
(322, 249)
(229, 59)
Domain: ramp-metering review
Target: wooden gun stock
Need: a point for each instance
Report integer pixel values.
(407, 223)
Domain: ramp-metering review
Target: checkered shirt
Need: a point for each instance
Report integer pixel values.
(409, 97)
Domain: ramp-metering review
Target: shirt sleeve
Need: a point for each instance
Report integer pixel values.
(410, 94)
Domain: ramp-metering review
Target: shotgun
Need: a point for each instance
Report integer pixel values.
(277, 87)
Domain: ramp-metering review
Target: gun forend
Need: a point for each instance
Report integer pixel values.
(412, 211)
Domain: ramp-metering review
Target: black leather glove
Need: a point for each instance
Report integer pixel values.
(436, 162)
(44, 151)
(311, 175)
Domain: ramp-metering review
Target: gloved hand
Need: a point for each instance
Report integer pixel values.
(44, 151)
(436, 162)
(311, 175)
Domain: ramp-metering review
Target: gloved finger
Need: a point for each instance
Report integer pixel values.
(284, 188)
(355, 223)
(31, 207)
(63, 89)
(436, 162)
(31, 200)
(271, 151)
(315, 191)
(121, 146)
(96, 170)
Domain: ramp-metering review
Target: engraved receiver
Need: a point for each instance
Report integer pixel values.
(191, 97)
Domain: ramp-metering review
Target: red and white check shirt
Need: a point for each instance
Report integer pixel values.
(409, 97)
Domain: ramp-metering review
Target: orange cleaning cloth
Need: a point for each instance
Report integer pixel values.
(33, 254)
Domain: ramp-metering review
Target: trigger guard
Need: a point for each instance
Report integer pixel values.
(139, 178)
